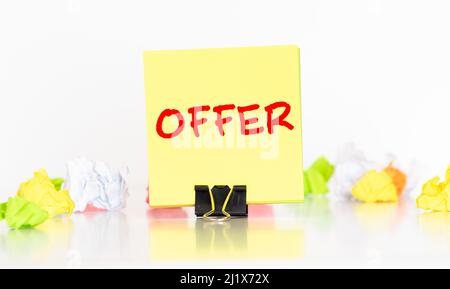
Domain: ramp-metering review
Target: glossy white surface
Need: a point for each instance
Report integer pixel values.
(317, 233)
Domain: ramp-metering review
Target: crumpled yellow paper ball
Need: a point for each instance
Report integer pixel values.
(41, 191)
(374, 187)
(435, 195)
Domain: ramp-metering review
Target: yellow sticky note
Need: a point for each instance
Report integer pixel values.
(228, 116)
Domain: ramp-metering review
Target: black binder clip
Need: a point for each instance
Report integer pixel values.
(220, 201)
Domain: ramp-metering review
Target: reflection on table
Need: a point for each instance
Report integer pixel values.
(236, 239)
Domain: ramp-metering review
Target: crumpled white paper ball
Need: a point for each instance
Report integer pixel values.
(96, 183)
(350, 166)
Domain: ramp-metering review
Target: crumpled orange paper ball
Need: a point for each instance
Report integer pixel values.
(398, 178)
(41, 191)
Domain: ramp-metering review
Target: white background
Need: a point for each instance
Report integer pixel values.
(71, 74)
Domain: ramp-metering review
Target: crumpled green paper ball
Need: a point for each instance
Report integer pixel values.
(2, 211)
(57, 182)
(21, 214)
(317, 175)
